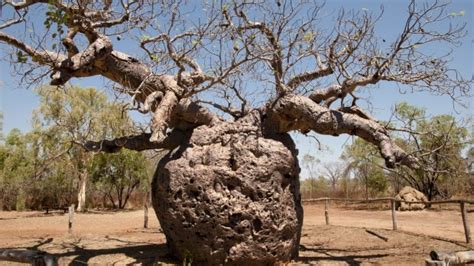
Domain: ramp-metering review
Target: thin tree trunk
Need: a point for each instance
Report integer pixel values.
(129, 192)
(366, 188)
(119, 197)
(111, 198)
(81, 195)
(104, 200)
(347, 187)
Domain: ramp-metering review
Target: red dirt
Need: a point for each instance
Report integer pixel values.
(118, 237)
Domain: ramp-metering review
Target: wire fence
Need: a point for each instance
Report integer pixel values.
(462, 204)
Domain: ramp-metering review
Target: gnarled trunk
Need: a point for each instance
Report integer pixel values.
(229, 191)
(230, 194)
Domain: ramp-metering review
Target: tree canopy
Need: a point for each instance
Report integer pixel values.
(46, 167)
(238, 57)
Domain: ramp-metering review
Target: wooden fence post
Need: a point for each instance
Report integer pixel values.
(147, 206)
(326, 211)
(145, 223)
(465, 222)
(394, 215)
(71, 217)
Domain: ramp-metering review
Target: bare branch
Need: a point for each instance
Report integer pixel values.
(11, 22)
(277, 58)
(294, 112)
(42, 57)
(308, 76)
(24, 4)
(138, 142)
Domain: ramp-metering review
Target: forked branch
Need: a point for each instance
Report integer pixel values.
(294, 112)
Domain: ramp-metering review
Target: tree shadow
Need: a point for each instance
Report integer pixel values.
(41, 242)
(145, 254)
(141, 253)
(326, 256)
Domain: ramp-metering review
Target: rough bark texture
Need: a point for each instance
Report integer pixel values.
(229, 191)
(230, 194)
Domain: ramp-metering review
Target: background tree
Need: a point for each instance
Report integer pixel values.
(118, 175)
(42, 168)
(16, 165)
(439, 143)
(270, 68)
(311, 183)
(334, 172)
(365, 163)
(72, 115)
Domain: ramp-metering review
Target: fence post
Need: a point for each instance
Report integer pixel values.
(394, 215)
(71, 217)
(465, 222)
(147, 202)
(145, 222)
(326, 211)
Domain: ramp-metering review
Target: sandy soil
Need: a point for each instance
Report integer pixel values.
(118, 237)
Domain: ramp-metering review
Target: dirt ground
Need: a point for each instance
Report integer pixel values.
(118, 237)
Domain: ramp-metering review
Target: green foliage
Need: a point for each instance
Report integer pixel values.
(55, 16)
(315, 187)
(20, 203)
(17, 166)
(21, 57)
(364, 161)
(144, 38)
(438, 142)
(118, 175)
(43, 168)
(454, 14)
(308, 37)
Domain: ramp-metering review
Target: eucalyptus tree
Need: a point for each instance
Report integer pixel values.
(16, 167)
(118, 175)
(311, 164)
(66, 118)
(224, 83)
(439, 143)
(365, 162)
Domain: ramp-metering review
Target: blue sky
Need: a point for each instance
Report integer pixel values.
(18, 103)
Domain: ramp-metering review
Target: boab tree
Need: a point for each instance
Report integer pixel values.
(225, 82)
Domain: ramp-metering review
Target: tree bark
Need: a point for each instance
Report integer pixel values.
(230, 195)
(33, 257)
(228, 192)
(81, 193)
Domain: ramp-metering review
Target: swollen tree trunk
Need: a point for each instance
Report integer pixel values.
(230, 195)
(81, 194)
(228, 192)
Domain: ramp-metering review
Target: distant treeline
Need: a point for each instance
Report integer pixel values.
(47, 167)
